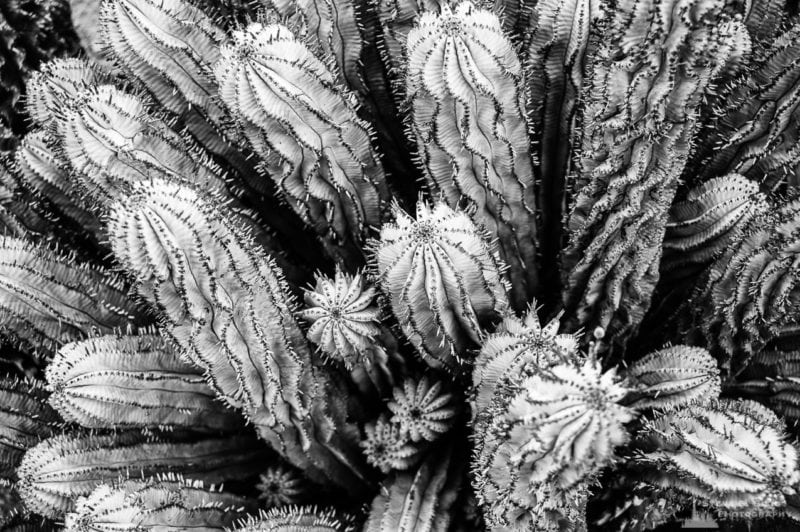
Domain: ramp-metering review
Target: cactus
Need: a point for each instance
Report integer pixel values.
(744, 300)
(707, 221)
(422, 499)
(308, 135)
(443, 279)
(469, 122)
(59, 470)
(226, 304)
(281, 485)
(299, 518)
(49, 299)
(25, 419)
(344, 320)
(754, 131)
(729, 455)
(114, 382)
(205, 227)
(167, 504)
(628, 169)
(673, 377)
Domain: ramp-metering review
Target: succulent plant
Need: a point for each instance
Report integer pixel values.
(398, 265)
(169, 503)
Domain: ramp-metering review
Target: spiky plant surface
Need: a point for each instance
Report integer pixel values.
(399, 265)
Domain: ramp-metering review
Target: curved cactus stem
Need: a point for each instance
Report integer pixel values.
(728, 455)
(673, 377)
(706, 222)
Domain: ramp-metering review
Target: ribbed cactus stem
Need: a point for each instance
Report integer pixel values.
(140, 381)
(298, 519)
(57, 84)
(443, 280)
(645, 85)
(112, 141)
(226, 304)
(167, 503)
(674, 377)
(333, 27)
(306, 132)
(171, 47)
(755, 131)
(465, 88)
(557, 57)
(729, 455)
(420, 500)
(48, 299)
(25, 419)
(41, 169)
(57, 471)
(745, 300)
(707, 221)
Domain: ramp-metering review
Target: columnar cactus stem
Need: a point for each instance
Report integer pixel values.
(773, 378)
(166, 504)
(646, 82)
(555, 64)
(756, 132)
(465, 88)
(56, 472)
(307, 133)
(114, 382)
(226, 303)
(111, 142)
(171, 48)
(443, 280)
(25, 419)
(48, 299)
(729, 455)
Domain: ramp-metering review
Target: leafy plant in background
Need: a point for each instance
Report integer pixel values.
(397, 266)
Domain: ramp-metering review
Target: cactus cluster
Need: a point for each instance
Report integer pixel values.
(392, 265)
